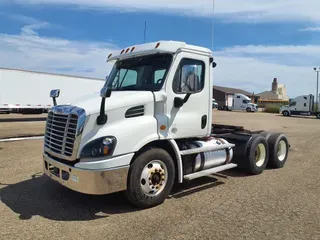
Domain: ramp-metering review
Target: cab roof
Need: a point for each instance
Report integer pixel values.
(153, 48)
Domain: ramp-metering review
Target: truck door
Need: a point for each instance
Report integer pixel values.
(190, 74)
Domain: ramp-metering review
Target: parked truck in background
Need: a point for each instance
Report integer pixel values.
(151, 127)
(24, 91)
(238, 102)
(301, 105)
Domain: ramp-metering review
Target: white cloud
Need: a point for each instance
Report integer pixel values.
(254, 67)
(247, 67)
(30, 51)
(231, 10)
(255, 75)
(311, 29)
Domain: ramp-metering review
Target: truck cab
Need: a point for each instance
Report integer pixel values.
(150, 126)
(243, 103)
(301, 105)
(239, 102)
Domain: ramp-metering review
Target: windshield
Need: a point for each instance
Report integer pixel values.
(145, 73)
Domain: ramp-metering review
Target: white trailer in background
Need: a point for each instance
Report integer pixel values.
(239, 102)
(24, 91)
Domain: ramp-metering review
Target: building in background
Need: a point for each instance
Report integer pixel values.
(278, 92)
(220, 93)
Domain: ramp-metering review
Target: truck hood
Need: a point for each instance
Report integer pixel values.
(118, 99)
(253, 104)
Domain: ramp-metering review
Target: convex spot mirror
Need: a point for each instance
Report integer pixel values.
(54, 93)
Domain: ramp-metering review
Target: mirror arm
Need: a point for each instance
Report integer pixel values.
(54, 101)
(178, 102)
(102, 118)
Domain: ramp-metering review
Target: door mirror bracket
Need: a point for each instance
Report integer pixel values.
(179, 102)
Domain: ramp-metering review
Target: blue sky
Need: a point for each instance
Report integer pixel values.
(254, 41)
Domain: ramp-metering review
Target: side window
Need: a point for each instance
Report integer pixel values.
(128, 77)
(293, 104)
(158, 75)
(244, 101)
(125, 77)
(305, 98)
(238, 96)
(305, 104)
(189, 77)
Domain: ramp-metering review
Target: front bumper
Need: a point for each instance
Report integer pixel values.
(95, 182)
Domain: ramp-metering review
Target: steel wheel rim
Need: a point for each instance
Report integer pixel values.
(282, 150)
(153, 178)
(260, 154)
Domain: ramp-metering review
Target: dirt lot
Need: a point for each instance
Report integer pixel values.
(278, 204)
(13, 125)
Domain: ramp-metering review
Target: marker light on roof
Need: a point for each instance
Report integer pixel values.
(158, 44)
(132, 49)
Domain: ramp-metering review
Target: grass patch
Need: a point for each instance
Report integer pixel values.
(272, 109)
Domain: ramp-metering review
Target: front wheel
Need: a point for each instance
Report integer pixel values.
(151, 178)
(248, 109)
(285, 113)
(318, 115)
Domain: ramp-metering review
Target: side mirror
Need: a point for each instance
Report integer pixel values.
(54, 94)
(214, 64)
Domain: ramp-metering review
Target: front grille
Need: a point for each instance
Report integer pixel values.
(61, 131)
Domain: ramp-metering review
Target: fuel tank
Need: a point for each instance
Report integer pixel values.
(205, 160)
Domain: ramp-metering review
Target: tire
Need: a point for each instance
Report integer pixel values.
(248, 109)
(318, 115)
(266, 134)
(278, 150)
(141, 181)
(252, 163)
(286, 113)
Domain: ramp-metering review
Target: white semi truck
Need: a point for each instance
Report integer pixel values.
(24, 91)
(301, 105)
(239, 102)
(150, 127)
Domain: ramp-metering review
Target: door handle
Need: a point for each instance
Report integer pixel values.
(204, 121)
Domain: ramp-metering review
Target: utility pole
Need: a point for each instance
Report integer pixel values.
(317, 96)
(212, 27)
(145, 31)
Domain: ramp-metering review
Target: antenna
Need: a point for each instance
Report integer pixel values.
(145, 30)
(212, 26)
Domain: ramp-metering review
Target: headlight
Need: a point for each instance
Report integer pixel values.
(100, 147)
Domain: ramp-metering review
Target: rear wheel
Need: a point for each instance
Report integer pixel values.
(257, 155)
(266, 134)
(278, 148)
(318, 115)
(151, 177)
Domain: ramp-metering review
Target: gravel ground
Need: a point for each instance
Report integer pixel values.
(278, 204)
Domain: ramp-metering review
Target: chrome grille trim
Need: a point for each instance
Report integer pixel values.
(63, 131)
